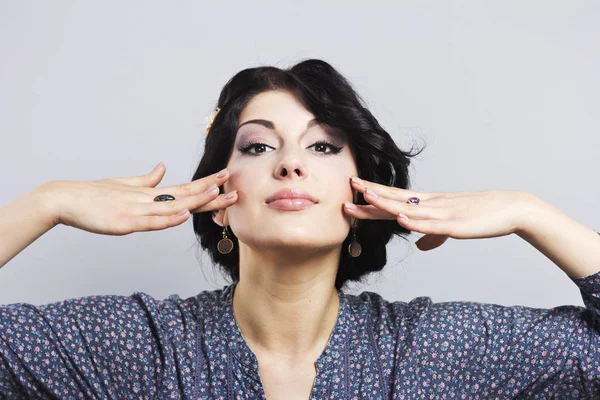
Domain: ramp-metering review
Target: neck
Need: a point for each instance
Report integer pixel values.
(287, 309)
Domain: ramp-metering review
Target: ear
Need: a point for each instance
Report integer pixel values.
(220, 217)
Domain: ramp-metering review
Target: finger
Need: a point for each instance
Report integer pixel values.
(367, 212)
(391, 192)
(144, 223)
(150, 179)
(199, 203)
(396, 207)
(222, 201)
(427, 226)
(194, 187)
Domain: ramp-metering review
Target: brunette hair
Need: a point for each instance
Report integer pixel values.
(331, 99)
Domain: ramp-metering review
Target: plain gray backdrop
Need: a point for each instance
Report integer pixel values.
(505, 95)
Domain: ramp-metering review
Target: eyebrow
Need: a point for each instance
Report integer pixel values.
(271, 125)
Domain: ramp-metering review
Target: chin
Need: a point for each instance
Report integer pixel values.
(297, 242)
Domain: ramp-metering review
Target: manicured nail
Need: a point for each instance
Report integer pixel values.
(222, 173)
(371, 192)
(211, 188)
(185, 210)
(402, 217)
(349, 205)
(231, 194)
(357, 180)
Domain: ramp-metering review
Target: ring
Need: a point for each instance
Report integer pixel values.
(413, 200)
(164, 197)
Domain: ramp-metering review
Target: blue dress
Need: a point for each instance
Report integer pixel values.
(138, 347)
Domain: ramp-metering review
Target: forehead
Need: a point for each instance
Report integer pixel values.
(283, 112)
(276, 106)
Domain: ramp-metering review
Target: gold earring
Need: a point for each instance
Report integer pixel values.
(225, 245)
(354, 248)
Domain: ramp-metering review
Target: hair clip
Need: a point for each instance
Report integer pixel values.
(210, 119)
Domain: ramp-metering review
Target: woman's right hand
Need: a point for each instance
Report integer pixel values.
(120, 206)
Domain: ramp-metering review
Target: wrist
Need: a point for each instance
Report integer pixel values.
(47, 203)
(531, 212)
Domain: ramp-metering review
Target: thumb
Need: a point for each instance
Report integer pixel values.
(430, 242)
(150, 179)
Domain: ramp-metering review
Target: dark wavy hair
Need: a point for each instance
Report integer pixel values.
(331, 99)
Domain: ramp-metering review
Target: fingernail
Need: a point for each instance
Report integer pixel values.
(231, 194)
(349, 205)
(211, 188)
(371, 192)
(402, 217)
(185, 210)
(222, 173)
(358, 181)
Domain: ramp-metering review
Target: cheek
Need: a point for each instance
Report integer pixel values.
(339, 189)
(247, 183)
(239, 178)
(339, 182)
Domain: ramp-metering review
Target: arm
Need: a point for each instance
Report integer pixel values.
(572, 246)
(96, 347)
(491, 351)
(23, 221)
(501, 351)
(106, 206)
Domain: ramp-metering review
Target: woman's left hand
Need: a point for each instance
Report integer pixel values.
(440, 215)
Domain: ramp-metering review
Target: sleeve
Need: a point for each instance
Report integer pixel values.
(479, 350)
(91, 347)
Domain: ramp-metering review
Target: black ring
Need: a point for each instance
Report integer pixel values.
(164, 197)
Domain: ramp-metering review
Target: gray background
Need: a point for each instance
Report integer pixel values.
(505, 94)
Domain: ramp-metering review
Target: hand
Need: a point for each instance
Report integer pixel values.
(459, 215)
(119, 206)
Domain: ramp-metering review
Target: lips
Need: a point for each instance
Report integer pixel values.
(290, 194)
(291, 200)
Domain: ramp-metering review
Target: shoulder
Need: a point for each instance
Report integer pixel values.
(138, 310)
(378, 305)
(177, 315)
(388, 315)
(88, 308)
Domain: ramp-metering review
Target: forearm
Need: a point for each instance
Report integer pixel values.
(23, 221)
(571, 245)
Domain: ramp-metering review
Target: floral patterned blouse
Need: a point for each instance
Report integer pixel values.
(138, 347)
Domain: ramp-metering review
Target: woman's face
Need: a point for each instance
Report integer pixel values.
(286, 155)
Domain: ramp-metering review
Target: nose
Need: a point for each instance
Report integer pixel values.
(290, 167)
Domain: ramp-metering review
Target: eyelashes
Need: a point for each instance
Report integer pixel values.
(246, 147)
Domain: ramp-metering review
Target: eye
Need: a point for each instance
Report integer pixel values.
(248, 146)
(324, 144)
(259, 147)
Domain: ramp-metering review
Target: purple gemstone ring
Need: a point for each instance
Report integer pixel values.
(413, 200)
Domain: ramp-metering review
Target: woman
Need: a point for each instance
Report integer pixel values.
(276, 204)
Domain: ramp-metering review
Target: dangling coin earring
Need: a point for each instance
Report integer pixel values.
(225, 245)
(354, 248)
